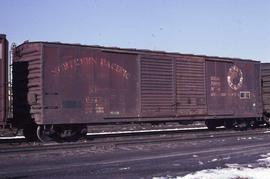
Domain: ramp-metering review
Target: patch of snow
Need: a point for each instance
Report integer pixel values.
(247, 171)
(194, 156)
(125, 168)
(265, 155)
(229, 173)
(243, 138)
(214, 160)
(264, 161)
(233, 165)
(226, 158)
(201, 163)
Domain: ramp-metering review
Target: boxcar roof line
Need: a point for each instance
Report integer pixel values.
(135, 51)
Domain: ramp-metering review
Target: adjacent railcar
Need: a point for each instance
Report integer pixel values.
(64, 87)
(265, 78)
(3, 79)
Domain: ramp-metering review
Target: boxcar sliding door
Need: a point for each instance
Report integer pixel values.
(190, 86)
(157, 87)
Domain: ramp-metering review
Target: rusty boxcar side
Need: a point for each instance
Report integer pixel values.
(3, 79)
(199, 87)
(69, 84)
(234, 88)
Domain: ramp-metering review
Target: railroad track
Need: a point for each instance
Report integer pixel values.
(128, 138)
(93, 135)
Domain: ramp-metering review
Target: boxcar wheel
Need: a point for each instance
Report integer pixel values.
(266, 120)
(44, 134)
(70, 133)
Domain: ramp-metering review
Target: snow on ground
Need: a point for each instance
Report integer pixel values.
(259, 170)
(230, 173)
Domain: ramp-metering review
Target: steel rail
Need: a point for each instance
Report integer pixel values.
(131, 139)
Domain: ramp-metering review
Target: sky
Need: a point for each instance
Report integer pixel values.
(227, 28)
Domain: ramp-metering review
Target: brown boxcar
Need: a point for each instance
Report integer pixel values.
(265, 75)
(3, 78)
(77, 84)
